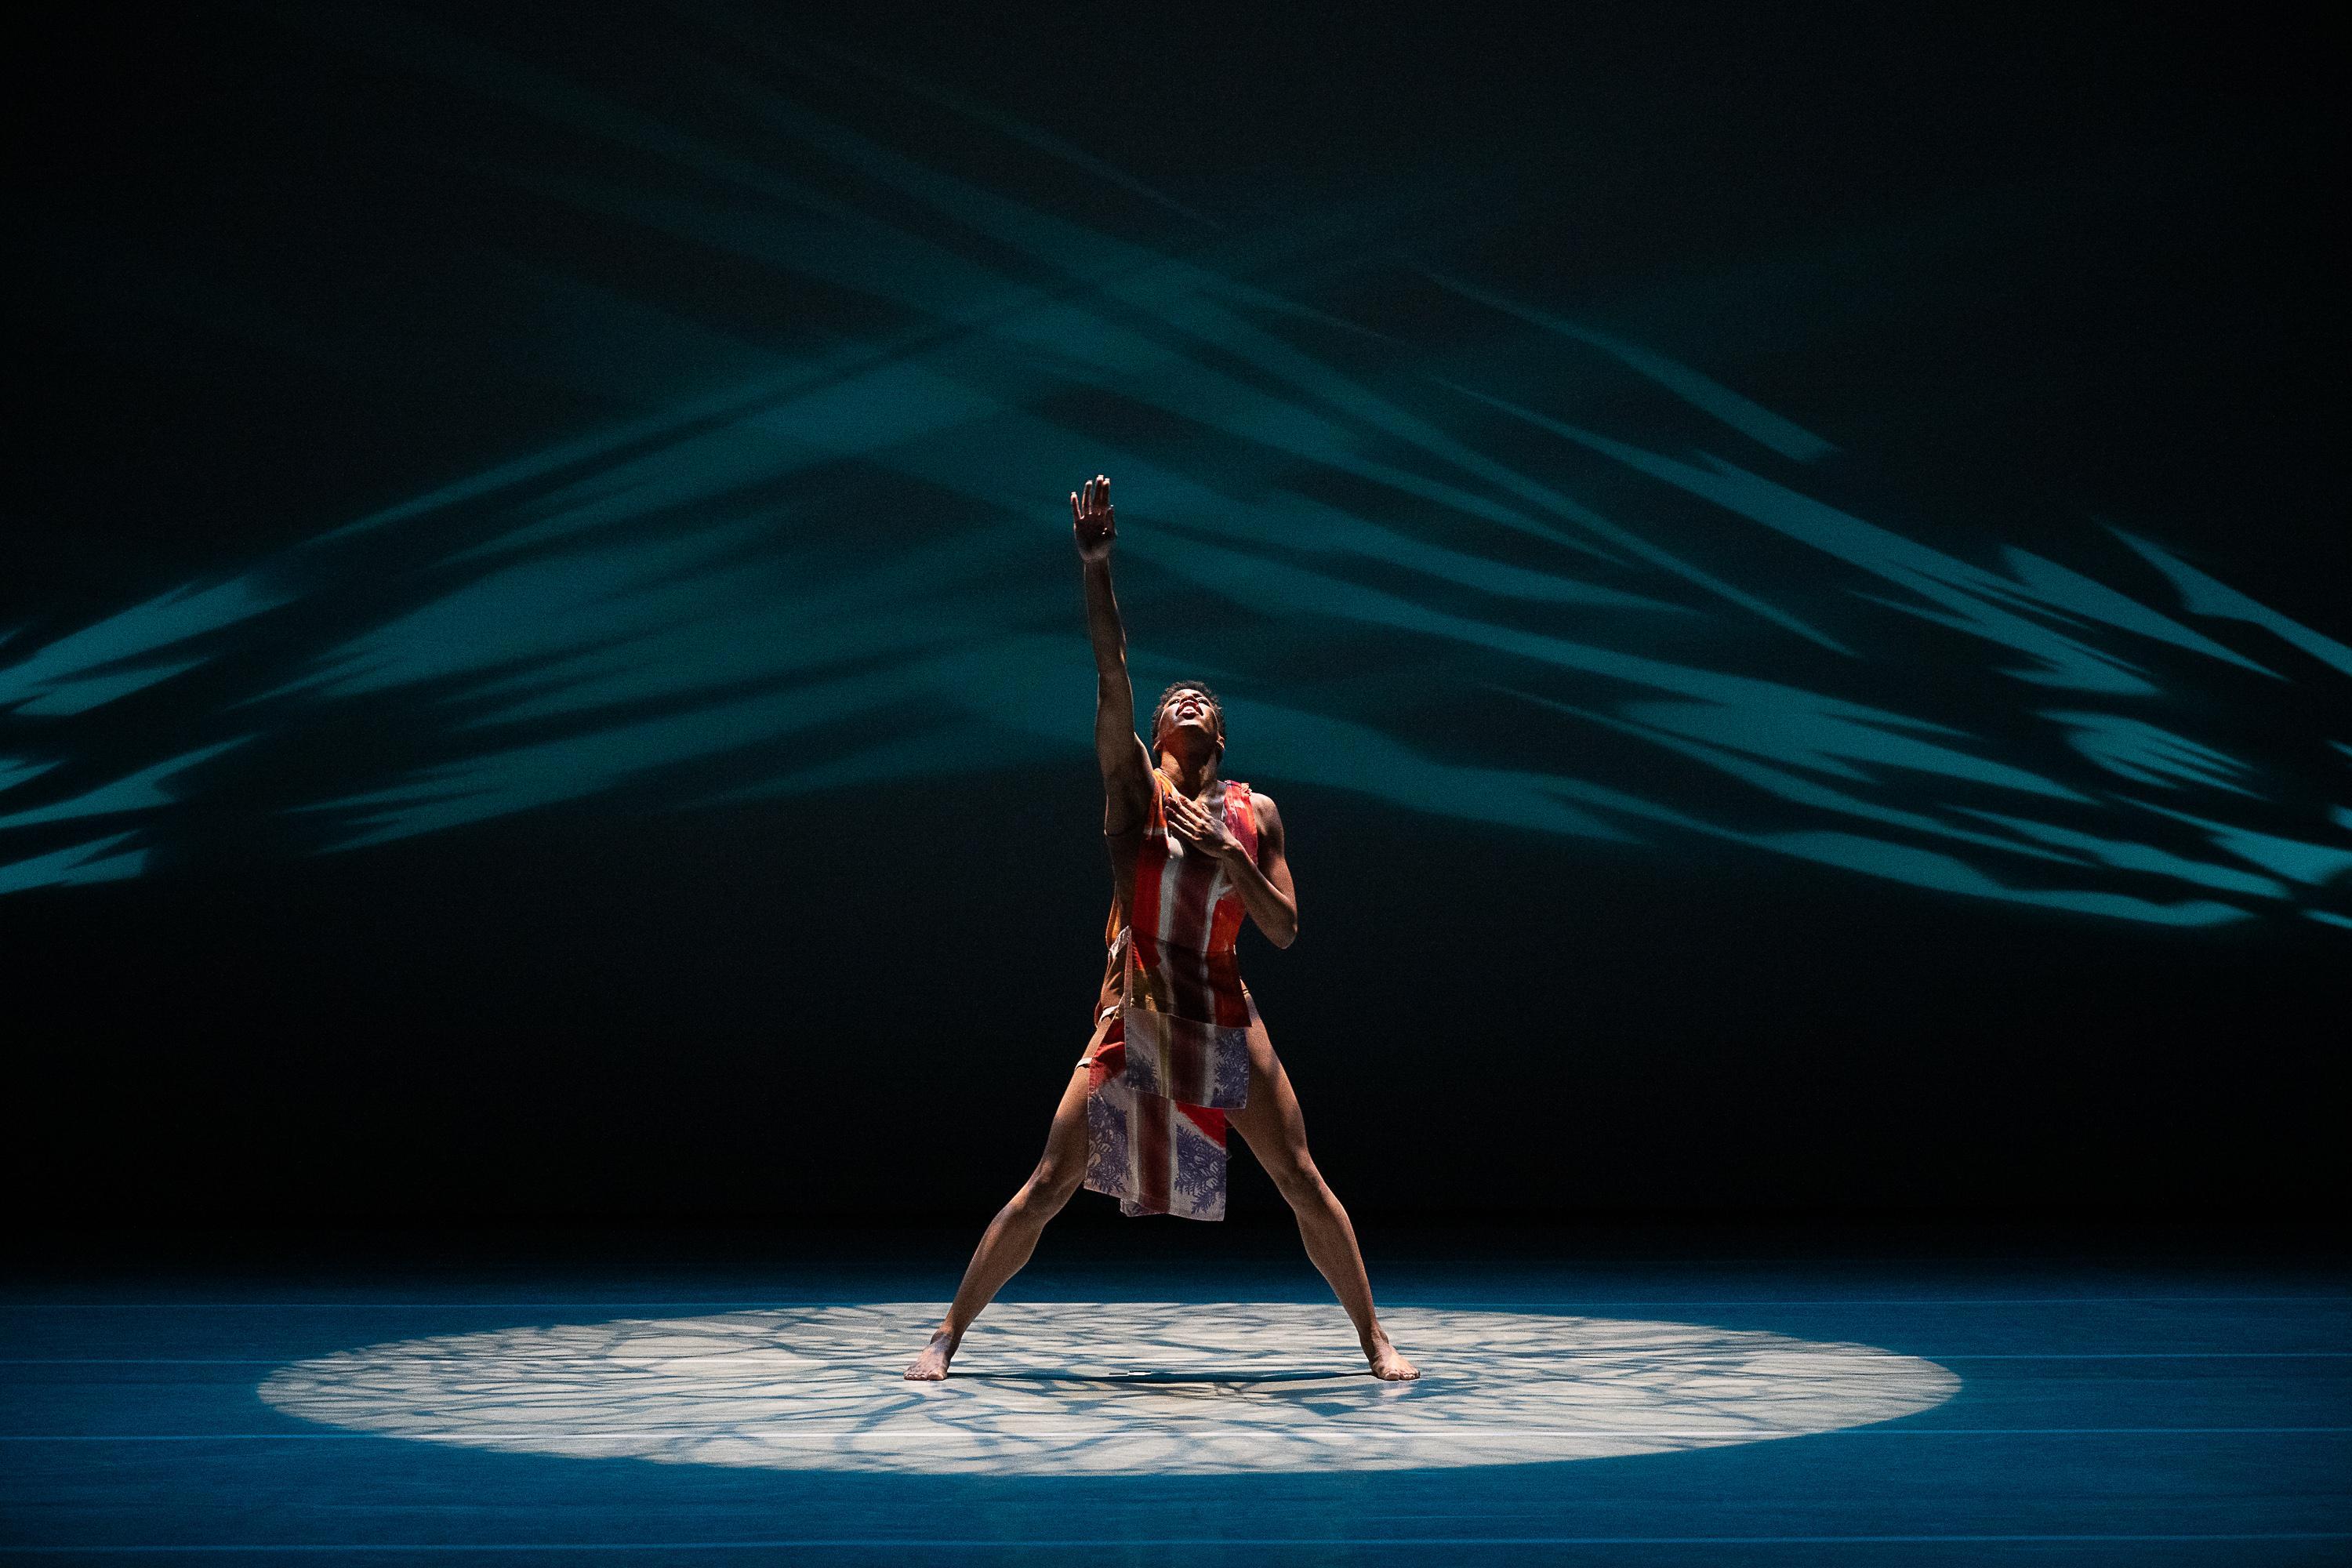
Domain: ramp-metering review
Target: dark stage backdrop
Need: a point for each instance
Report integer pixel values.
(1788, 574)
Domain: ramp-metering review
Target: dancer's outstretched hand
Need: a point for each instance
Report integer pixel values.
(1090, 519)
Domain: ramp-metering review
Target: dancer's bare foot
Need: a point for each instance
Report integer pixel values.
(932, 1364)
(1388, 1362)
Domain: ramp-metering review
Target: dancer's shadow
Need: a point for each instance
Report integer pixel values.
(1236, 1377)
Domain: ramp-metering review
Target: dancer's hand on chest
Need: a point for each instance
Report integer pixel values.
(1202, 828)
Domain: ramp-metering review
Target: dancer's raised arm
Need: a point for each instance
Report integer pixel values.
(1126, 769)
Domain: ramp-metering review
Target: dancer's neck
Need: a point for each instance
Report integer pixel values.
(1190, 775)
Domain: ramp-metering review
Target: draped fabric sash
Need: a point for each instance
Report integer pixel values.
(1176, 1059)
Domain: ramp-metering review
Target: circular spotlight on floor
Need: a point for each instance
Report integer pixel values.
(1094, 1388)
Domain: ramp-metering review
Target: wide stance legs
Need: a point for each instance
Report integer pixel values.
(1013, 1235)
(1276, 1133)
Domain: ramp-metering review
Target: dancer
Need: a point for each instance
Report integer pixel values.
(1178, 1053)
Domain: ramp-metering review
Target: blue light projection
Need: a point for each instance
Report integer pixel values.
(77, 673)
(1534, 597)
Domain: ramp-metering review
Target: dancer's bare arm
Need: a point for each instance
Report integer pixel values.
(1263, 882)
(1126, 771)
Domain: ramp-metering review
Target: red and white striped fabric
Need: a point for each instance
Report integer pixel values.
(1177, 1057)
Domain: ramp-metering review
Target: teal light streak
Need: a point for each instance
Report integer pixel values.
(1785, 721)
(1289, 522)
(2290, 858)
(65, 698)
(2202, 595)
(2137, 750)
(521, 616)
(1711, 398)
(1899, 862)
(140, 791)
(2127, 856)
(1801, 791)
(517, 778)
(51, 674)
(1967, 594)
(1634, 545)
(1943, 873)
(15, 771)
(1290, 743)
(74, 867)
(1806, 734)
(2047, 586)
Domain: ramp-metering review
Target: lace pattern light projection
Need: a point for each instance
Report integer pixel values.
(1105, 1388)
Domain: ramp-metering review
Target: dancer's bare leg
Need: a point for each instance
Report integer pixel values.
(1277, 1134)
(1011, 1236)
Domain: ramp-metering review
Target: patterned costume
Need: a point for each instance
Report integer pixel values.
(1175, 1057)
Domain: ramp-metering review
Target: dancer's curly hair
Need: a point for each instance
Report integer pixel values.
(1159, 711)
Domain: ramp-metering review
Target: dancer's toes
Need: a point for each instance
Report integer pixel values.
(932, 1364)
(1390, 1366)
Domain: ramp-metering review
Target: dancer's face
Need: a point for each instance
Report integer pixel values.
(1188, 708)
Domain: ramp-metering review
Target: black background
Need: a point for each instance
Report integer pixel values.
(2062, 267)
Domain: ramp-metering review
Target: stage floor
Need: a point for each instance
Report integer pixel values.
(1858, 1402)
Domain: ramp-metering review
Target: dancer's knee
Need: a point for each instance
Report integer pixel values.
(1050, 1186)
(1299, 1182)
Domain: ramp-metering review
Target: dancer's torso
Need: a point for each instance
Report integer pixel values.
(1172, 894)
